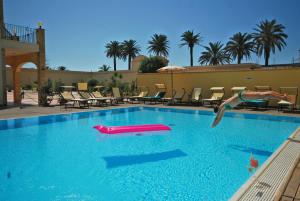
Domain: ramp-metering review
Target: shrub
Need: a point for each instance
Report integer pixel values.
(62, 68)
(92, 83)
(152, 64)
(27, 87)
(56, 86)
(45, 91)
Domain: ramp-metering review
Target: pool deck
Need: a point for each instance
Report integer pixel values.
(292, 190)
(285, 186)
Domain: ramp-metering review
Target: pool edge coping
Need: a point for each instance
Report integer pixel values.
(64, 113)
(251, 181)
(282, 115)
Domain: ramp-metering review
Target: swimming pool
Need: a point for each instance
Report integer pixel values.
(61, 157)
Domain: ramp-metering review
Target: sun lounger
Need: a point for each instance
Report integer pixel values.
(236, 90)
(292, 92)
(156, 98)
(216, 96)
(177, 97)
(196, 96)
(67, 98)
(89, 96)
(141, 95)
(84, 94)
(117, 95)
(97, 94)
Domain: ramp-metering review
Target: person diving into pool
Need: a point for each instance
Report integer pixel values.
(245, 96)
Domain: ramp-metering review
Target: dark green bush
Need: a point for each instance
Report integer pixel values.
(92, 83)
(27, 87)
(45, 91)
(152, 64)
(56, 86)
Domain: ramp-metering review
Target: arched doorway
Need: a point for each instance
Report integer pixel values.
(26, 75)
(20, 81)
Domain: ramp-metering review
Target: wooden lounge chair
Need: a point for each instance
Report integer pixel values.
(293, 95)
(141, 95)
(117, 95)
(176, 98)
(196, 96)
(67, 97)
(216, 96)
(236, 90)
(97, 94)
(156, 98)
(89, 96)
(84, 94)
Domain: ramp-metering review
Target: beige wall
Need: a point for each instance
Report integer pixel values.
(273, 77)
(29, 76)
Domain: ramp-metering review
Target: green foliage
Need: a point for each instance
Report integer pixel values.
(159, 45)
(113, 50)
(133, 87)
(56, 86)
(61, 68)
(92, 83)
(45, 91)
(152, 64)
(27, 87)
(239, 46)
(104, 67)
(214, 55)
(130, 50)
(190, 39)
(268, 37)
(115, 80)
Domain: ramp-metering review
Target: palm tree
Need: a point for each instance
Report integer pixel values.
(159, 45)
(113, 49)
(240, 45)
(269, 36)
(130, 49)
(214, 55)
(104, 67)
(61, 68)
(188, 38)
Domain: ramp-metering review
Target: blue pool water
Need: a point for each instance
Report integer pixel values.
(61, 157)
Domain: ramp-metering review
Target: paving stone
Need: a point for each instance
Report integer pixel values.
(293, 184)
(284, 198)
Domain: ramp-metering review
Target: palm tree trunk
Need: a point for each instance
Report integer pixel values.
(115, 63)
(239, 59)
(129, 62)
(191, 55)
(267, 56)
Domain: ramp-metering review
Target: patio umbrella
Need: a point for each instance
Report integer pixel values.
(171, 69)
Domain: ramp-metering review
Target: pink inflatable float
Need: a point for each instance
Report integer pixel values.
(130, 129)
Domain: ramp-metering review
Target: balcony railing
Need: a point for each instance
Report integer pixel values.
(18, 33)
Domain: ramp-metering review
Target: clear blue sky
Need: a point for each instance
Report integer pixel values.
(77, 30)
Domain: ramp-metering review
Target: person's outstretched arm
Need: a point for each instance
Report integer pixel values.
(276, 95)
(231, 102)
(219, 116)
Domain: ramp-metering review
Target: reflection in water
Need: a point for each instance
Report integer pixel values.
(118, 161)
(251, 150)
